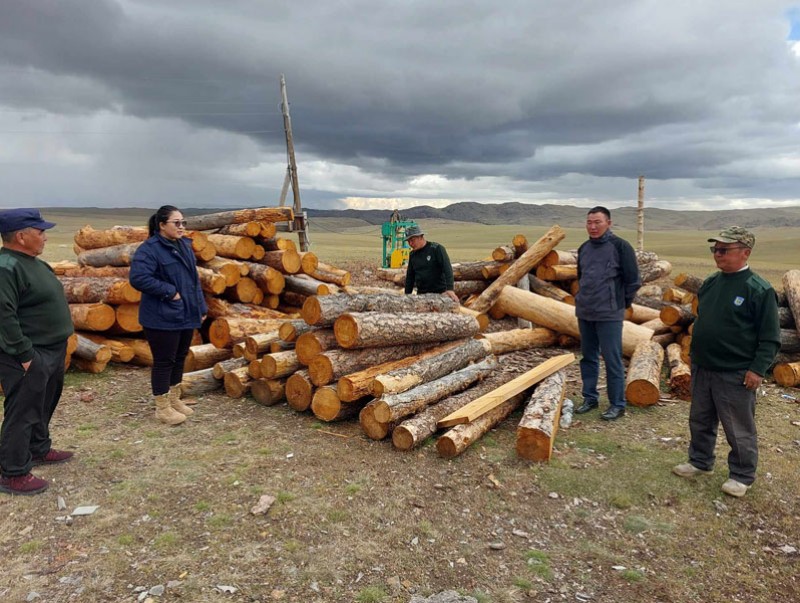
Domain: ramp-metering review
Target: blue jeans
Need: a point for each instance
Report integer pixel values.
(602, 337)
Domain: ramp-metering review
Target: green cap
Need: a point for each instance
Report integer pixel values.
(735, 234)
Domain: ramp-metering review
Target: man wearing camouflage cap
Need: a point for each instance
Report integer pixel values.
(735, 339)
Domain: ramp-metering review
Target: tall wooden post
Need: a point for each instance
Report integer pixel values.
(300, 219)
(640, 217)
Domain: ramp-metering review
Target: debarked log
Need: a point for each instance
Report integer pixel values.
(92, 317)
(514, 340)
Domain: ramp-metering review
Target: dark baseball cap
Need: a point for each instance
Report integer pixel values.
(12, 220)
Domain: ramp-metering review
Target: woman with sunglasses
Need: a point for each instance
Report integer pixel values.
(165, 271)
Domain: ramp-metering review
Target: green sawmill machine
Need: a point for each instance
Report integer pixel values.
(395, 247)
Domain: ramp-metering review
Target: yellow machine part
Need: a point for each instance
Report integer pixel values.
(398, 258)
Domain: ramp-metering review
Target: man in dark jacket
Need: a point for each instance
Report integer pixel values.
(608, 278)
(35, 324)
(735, 339)
(429, 267)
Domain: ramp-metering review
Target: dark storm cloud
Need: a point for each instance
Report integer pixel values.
(184, 95)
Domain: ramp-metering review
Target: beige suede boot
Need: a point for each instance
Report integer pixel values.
(165, 413)
(176, 402)
(187, 401)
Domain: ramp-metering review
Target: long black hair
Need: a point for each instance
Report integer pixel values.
(160, 217)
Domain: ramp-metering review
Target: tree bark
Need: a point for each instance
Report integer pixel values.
(83, 290)
(330, 274)
(546, 289)
(224, 366)
(677, 315)
(642, 386)
(308, 286)
(281, 364)
(641, 314)
(267, 278)
(791, 287)
(92, 317)
(120, 350)
(394, 407)
(434, 364)
(333, 364)
(323, 311)
(504, 253)
(94, 352)
(790, 341)
(224, 332)
(561, 317)
(88, 366)
(654, 270)
(116, 255)
(470, 271)
(370, 330)
(689, 282)
(522, 265)
(786, 318)
(658, 326)
(655, 291)
(538, 427)
(299, 391)
(359, 384)
(243, 229)
(460, 437)
(237, 382)
(309, 344)
(199, 382)
(89, 238)
(72, 270)
(680, 375)
(787, 374)
(465, 288)
(259, 343)
(204, 356)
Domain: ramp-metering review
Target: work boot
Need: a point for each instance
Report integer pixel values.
(176, 402)
(689, 470)
(23, 484)
(733, 488)
(179, 393)
(165, 413)
(53, 457)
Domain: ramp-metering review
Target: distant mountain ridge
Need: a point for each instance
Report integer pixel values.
(568, 215)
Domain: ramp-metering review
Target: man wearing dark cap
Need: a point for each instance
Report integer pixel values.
(429, 267)
(34, 326)
(735, 339)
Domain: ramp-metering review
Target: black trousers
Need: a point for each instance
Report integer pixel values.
(169, 349)
(30, 400)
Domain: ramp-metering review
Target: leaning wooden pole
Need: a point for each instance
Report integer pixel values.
(640, 217)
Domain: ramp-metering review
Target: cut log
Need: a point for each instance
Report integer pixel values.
(142, 355)
(92, 351)
(116, 255)
(224, 332)
(268, 392)
(791, 287)
(259, 343)
(641, 314)
(494, 269)
(790, 341)
(126, 319)
(688, 282)
(653, 271)
(312, 343)
(244, 291)
(83, 290)
(645, 257)
(244, 229)
(224, 366)
(292, 329)
(281, 364)
(230, 269)
(268, 279)
(204, 356)
(522, 265)
(546, 289)
(642, 386)
(483, 319)
(458, 439)
(465, 288)
(268, 230)
(652, 302)
(88, 366)
(677, 315)
(559, 257)
(309, 263)
(376, 329)
(299, 391)
(524, 284)
(485, 404)
(296, 300)
(786, 318)
(787, 374)
(433, 365)
(92, 317)
(394, 407)
(277, 244)
(374, 429)
(286, 261)
(199, 240)
(520, 244)
(94, 272)
(538, 427)
(323, 311)
(664, 339)
(557, 272)
(218, 308)
(561, 317)
(396, 276)
(260, 214)
(677, 296)
(329, 366)
(504, 253)
(330, 274)
(199, 382)
(206, 254)
(327, 406)
(308, 286)
(658, 326)
(651, 290)
(503, 342)
(237, 382)
(680, 375)
(89, 238)
(239, 248)
(120, 350)
(213, 282)
(471, 271)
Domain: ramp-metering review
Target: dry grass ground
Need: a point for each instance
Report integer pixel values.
(356, 520)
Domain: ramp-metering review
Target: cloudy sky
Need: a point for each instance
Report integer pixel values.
(398, 103)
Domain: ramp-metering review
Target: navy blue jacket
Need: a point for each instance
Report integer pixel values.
(608, 278)
(160, 269)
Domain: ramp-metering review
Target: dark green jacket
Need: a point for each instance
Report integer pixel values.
(429, 269)
(737, 323)
(33, 309)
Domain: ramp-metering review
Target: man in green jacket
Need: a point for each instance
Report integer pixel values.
(35, 324)
(429, 267)
(735, 339)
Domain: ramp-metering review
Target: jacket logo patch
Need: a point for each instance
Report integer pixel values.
(429, 258)
(738, 301)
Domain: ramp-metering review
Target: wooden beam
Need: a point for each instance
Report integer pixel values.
(487, 402)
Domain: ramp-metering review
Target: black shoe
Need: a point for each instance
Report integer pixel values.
(585, 407)
(613, 413)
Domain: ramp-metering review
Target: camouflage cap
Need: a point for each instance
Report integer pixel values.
(735, 234)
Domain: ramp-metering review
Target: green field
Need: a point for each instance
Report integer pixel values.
(335, 239)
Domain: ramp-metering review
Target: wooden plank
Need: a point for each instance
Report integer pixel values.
(487, 402)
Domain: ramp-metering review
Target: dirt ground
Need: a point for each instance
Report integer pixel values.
(357, 520)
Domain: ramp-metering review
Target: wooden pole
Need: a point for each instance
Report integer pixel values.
(299, 216)
(640, 217)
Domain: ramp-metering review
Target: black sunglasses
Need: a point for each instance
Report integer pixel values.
(178, 223)
(724, 250)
